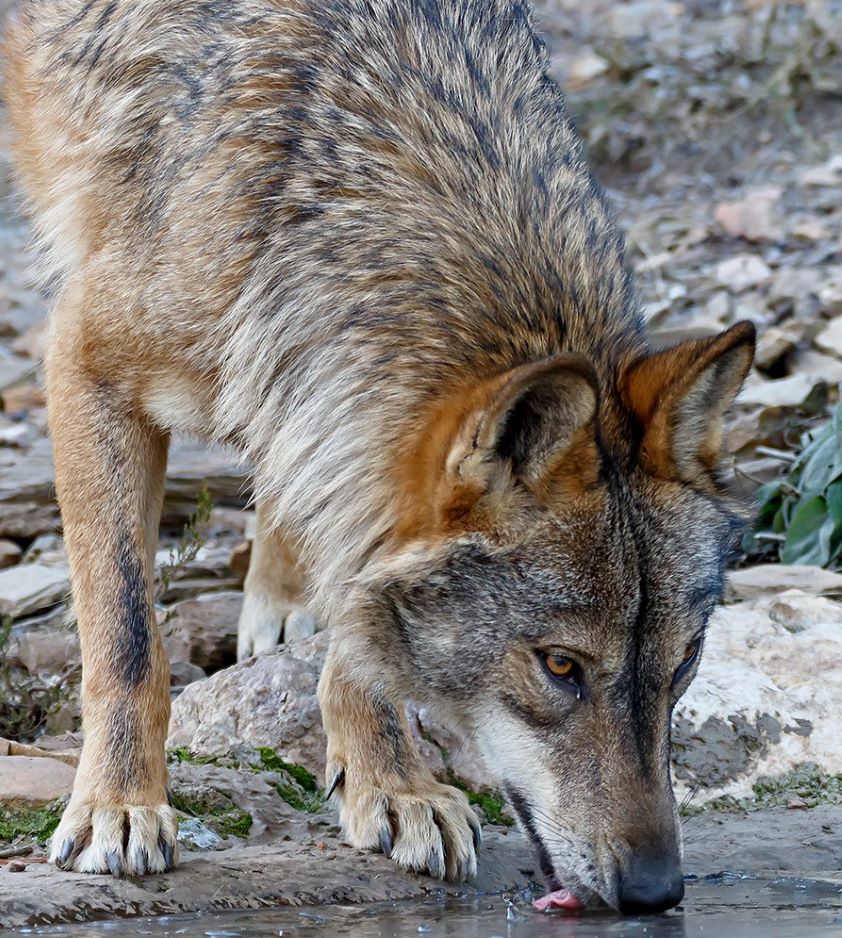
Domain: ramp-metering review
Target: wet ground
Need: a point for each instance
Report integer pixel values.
(726, 905)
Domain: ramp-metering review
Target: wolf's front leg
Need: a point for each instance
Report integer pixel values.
(110, 466)
(388, 797)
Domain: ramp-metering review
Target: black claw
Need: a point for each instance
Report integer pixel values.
(338, 780)
(386, 843)
(434, 865)
(66, 850)
(114, 862)
(167, 851)
(476, 831)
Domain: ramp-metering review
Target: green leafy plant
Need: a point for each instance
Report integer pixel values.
(800, 517)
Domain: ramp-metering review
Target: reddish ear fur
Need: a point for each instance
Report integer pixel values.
(680, 396)
(477, 445)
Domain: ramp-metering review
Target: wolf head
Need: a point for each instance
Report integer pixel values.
(564, 560)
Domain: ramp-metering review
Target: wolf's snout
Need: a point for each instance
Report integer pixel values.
(649, 885)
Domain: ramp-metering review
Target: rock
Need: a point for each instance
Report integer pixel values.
(29, 587)
(228, 523)
(830, 338)
(742, 271)
(27, 505)
(211, 560)
(48, 649)
(13, 370)
(183, 588)
(305, 871)
(796, 610)
(193, 466)
(203, 631)
(584, 68)
(16, 866)
(242, 789)
(195, 835)
(775, 342)
(269, 700)
(27, 500)
(817, 366)
(183, 673)
(827, 174)
(800, 390)
(10, 553)
(33, 781)
(791, 283)
(23, 397)
(452, 750)
(809, 228)
(16, 432)
(763, 579)
(764, 701)
(33, 342)
(718, 307)
(47, 549)
(752, 217)
(830, 298)
(62, 742)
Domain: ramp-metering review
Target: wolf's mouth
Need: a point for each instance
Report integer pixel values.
(559, 896)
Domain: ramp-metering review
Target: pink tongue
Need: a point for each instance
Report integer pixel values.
(560, 899)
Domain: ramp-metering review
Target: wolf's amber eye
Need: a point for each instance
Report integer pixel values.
(564, 671)
(558, 666)
(688, 656)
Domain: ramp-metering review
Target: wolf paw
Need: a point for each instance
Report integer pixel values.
(123, 841)
(430, 829)
(265, 622)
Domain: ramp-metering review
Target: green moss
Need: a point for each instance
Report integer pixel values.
(491, 802)
(233, 824)
(272, 762)
(806, 783)
(214, 809)
(295, 797)
(23, 824)
(182, 754)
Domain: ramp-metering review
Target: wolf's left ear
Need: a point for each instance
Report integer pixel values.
(523, 421)
(680, 396)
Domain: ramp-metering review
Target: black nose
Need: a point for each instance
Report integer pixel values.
(650, 885)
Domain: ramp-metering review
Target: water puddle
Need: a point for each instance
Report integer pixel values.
(724, 905)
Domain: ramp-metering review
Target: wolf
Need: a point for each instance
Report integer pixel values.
(358, 242)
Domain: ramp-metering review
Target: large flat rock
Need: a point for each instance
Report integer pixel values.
(289, 873)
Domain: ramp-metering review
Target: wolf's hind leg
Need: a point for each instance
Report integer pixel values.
(110, 466)
(273, 591)
(388, 797)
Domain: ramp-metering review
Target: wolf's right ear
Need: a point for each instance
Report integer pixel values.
(520, 424)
